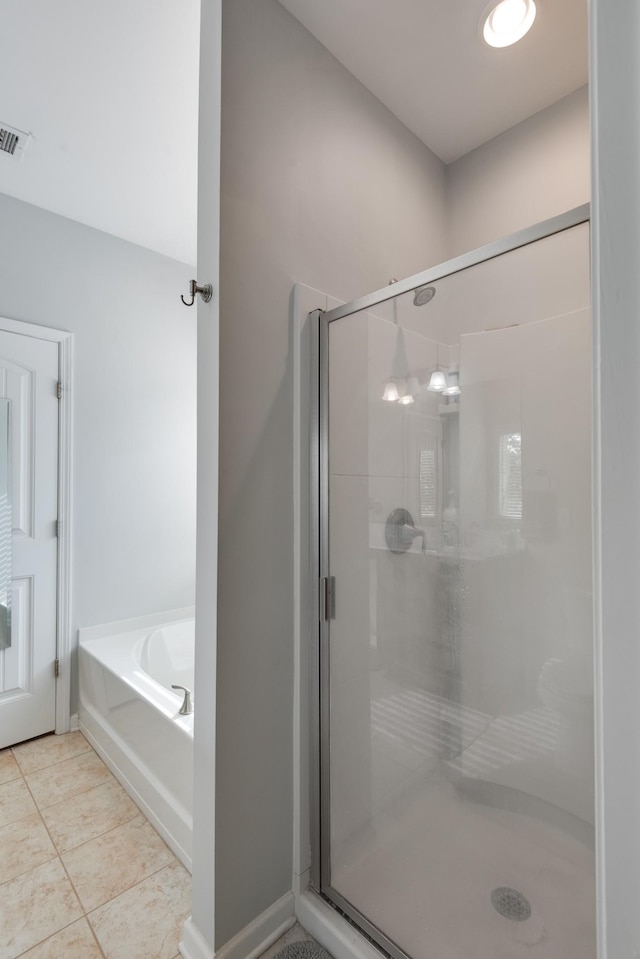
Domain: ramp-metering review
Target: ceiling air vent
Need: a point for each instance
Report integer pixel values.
(13, 142)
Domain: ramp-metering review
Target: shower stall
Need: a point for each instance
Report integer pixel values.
(453, 779)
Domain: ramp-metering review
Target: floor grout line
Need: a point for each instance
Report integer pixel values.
(57, 856)
(49, 765)
(80, 792)
(30, 869)
(86, 912)
(57, 933)
(95, 938)
(12, 779)
(129, 888)
(83, 792)
(137, 815)
(86, 915)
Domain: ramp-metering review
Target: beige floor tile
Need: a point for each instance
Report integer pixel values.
(68, 778)
(15, 802)
(105, 867)
(146, 921)
(74, 942)
(47, 750)
(34, 906)
(23, 845)
(88, 815)
(9, 768)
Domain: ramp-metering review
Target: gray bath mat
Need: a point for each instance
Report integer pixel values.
(302, 950)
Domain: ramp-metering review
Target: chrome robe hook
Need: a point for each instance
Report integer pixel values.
(206, 292)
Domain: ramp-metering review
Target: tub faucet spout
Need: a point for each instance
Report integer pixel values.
(409, 533)
(186, 709)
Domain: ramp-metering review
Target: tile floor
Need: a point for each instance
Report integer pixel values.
(82, 873)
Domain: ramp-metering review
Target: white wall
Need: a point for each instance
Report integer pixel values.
(134, 405)
(199, 930)
(532, 172)
(535, 380)
(321, 185)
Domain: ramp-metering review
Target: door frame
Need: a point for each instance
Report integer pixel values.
(319, 606)
(64, 339)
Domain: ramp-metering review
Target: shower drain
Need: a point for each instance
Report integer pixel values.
(510, 903)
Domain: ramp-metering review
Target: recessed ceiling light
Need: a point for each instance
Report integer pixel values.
(508, 21)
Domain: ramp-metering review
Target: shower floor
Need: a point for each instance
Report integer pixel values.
(425, 876)
(424, 865)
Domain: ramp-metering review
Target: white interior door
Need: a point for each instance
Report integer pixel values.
(29, 371)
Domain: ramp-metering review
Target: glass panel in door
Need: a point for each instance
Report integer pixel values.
(458, 726)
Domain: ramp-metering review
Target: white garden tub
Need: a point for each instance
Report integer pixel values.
(130, 715)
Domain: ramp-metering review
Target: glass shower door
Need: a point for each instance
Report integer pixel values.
(457, 722)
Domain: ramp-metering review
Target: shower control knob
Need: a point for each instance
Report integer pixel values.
(400, 532)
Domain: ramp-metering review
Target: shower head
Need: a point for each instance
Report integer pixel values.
(423, 294)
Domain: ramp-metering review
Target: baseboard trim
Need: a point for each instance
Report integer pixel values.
(339, 937)
(265, 929)
(250, 942)
(74, 723)
(193, 945)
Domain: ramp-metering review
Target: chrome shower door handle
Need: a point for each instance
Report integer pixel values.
(186, 709)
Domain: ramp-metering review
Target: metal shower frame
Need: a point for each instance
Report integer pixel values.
(320, 599)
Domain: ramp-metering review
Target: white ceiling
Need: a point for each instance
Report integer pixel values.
(425, 60)
(110, 93)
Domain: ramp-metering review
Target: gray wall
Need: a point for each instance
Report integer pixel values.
(320, 185)
(533, 171)
(616, 140)
(134, 405)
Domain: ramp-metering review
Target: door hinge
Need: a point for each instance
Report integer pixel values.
(327, 598)
(59, 390)
(56, 668)
(58, 526)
